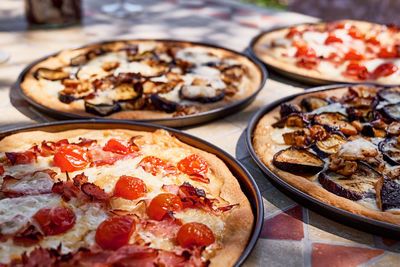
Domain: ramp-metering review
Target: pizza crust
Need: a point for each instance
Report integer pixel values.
(263, 51)
(265, 147)
(34, 90)
(238, 222)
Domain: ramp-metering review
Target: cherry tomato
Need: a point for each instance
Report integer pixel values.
(71, 158)
(333, 39)
(193, 164)
(195, 235)
(373, 40)
(353, 55)
(118, 146)
(154, 165)
(341, 25)
(163, 203)
(293, 32)
(129, 187)
(357, 70)
(387, 52)
(355, 33)
(115, 232)
(305, 51)
(54, 221)
(384, 70)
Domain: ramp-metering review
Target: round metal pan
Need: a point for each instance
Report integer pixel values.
(177, 122)
(246, 181)
(334, 213)
(292, 75)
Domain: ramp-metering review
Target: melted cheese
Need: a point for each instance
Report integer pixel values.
(356, 147)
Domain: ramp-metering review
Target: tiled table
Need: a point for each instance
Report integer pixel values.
(292, 235)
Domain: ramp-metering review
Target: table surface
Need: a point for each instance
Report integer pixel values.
(292, 235)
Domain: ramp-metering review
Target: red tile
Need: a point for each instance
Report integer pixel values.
(335, 255)
(388, 242)
(287, 225)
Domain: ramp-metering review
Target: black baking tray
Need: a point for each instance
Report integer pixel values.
(176, 122)
(357, 221)
(295, 76)
(246, 181)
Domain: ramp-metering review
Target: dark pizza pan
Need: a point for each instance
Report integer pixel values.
(246, 181)
(292, 75)
(178, 122)
(357, 221)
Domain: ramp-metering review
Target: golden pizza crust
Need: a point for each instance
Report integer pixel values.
(262, 48)
(238, 222)
(34, 90)
(265, 146)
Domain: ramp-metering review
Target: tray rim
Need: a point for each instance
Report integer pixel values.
(256, 203)
(345, 217)
(180, 121)
(300, 77)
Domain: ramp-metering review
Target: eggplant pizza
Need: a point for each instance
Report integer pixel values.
(142, 79)
(340, 146)
(340, 51)
(117, 198)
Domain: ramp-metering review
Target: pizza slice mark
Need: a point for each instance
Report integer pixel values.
(196, 167)
(154, 165)
(34, 183)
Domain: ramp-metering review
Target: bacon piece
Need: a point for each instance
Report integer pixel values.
(40, 257)
(200, 178)
(170, 188)
(28, 236)
(192, 255)
(10, 187)
(49, 148)
(113, 159)
(166, 228)
(167, 258)
(95, 192)
(85, 142)
(80, 179)
(69, 189)
(226, 208)
(25, 157)
(134, 255)
(1, 170)
(134, 146)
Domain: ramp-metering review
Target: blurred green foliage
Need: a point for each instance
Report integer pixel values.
(277, 4)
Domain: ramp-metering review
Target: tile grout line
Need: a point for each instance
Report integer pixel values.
(373, 260)
(275, 213)
(307, 244)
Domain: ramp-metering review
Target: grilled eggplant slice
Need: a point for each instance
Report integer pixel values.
(390, 149)
(359, 185)
(388, 193)
(142, 56)
(50, 74)
(292, 120)
(335, 121)
(128, 91)
(392, 112)
(295, 160)
(287, 109)
(329, 145)
(391, 95)
(202, 94)
(163, 104)
(313, 102)
(102, 109)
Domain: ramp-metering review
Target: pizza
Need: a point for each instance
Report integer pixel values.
(340, 146)
(117, 198)
(339, 51)
(142, 79)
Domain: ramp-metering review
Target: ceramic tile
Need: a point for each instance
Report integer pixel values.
(228, 142)
(326, 255)
(323, 229)
(274, 202)
(387, 260)
(261, 180)
(287, 225)
(213, 130)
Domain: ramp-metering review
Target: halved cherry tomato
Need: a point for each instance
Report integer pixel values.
(115, 232)
(387, 52)
(195, 234)
(292, 32)
(71, 158)
(384, 70)
(193, 165)
(353, 55)
(355, 32)
(118, 146)
(357, 70)
(163, 203)
(341, 25)
(154, 165)
(305, 51)
(129, 187)
(54, 221)
(333, 39)
(373, 40)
